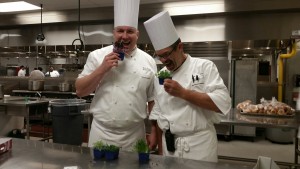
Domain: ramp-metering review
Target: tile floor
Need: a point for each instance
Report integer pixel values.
(246, 148)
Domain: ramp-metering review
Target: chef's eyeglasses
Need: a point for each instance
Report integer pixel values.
(167, 55)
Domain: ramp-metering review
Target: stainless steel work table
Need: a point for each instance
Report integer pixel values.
(19, 106)
(29, 154)
(51, 94)
(42, 91)
(234, 117)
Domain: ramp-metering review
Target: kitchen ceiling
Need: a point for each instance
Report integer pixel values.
(56, 5)
(229, 5)
(239, 10)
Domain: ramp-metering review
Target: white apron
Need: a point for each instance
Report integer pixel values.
(119, 105)
(202, 145)
(122, 137)
(192, 125)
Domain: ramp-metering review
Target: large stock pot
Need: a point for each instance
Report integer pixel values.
(36, 85)
(65, 87)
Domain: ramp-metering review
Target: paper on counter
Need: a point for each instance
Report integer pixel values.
(71, 167)
(265, 163)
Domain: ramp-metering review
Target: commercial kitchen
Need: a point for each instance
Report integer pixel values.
(254, 45)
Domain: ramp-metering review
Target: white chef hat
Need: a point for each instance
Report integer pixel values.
(126, 13)
(161, 30)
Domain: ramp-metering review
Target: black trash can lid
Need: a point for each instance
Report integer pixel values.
(67, 102)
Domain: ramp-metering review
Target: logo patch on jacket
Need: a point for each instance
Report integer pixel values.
(197, 79)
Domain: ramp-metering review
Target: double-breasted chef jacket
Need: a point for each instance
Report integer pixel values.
(119, 106)
(193, 126)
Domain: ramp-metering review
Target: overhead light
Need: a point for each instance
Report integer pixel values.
(41, 36)
(17, 6)
(194, 7)
(79, 47)
(40, 39)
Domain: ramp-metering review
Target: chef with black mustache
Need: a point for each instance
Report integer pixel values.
(187, 105)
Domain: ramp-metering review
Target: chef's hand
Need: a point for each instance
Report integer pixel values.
(152, 141)
(110, 61)
(173, 88)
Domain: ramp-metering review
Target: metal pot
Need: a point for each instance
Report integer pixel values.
(36, 85)
(1, 91)
(65, 87)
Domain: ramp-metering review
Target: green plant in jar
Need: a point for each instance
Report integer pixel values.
(111, 148)
(99, 145)
(164, 74)
(141, 146)
(111, 152)
(98, 150)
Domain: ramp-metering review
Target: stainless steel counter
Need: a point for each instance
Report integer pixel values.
(28, 154)
(22, 101)
(20, 106)
(51, 94)
(48, 92)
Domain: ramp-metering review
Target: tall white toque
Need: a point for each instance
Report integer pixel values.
(161, 30)
(126, 13)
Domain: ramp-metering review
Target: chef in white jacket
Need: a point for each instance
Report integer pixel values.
(187, 105)
(122, 87)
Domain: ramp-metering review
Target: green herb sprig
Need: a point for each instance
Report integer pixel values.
(111, 148)
(99, 145)
(141, 146)
(164, 74)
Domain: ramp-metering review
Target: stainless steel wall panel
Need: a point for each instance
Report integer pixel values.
(245, 80)
(245, 89)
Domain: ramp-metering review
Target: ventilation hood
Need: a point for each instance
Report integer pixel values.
(255, 47)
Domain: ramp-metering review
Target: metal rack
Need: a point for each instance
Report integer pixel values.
(235, 118)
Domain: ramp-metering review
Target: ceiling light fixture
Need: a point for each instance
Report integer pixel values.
(194, 7)
(41, 36)
(78, 48)
(17, 6)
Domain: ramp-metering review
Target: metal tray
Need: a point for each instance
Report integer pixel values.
(266, 115)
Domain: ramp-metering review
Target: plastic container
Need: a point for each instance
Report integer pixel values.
(282, 136)
(121, 55)
(111, 155)
(143, 158)
(98, 154)
(67, 120)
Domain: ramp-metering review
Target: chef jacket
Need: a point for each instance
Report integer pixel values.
(185, 119)
(22, 72)
(54, 73)
(119, 106)
(36, 75)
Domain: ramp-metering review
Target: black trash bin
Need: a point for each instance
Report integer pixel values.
(67, 120)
